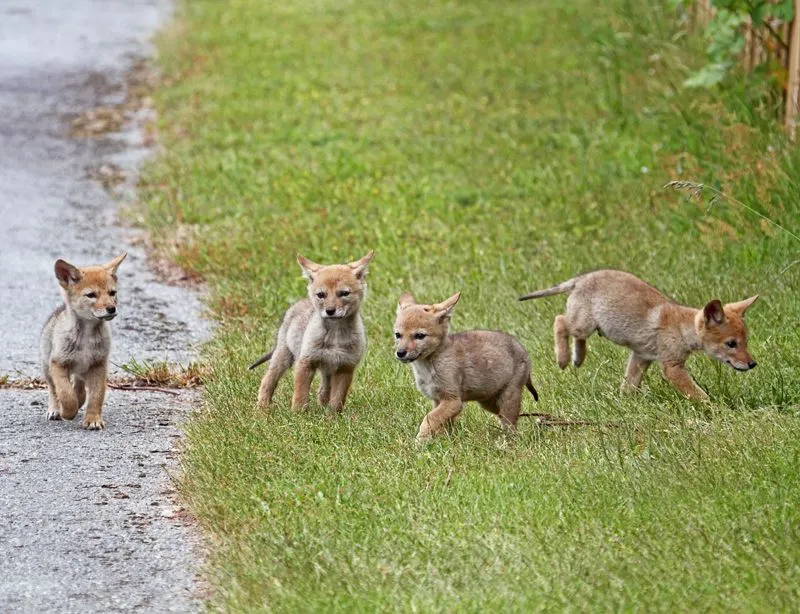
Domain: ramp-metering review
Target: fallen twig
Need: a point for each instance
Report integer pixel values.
(551, 420)
(132, 387)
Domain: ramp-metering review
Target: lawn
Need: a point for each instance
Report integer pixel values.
(492, 148)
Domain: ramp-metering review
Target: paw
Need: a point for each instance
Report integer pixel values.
(54, 414)
(425, 433)
(94, 423)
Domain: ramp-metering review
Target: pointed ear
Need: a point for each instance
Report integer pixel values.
(742, 306)
(713, 313)
(405, 300)
(360, 266)
(67, 274)
(309, 268)
(113, 265)
(444, 309)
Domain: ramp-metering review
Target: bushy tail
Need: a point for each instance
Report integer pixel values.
(529, 386)
(262, 360)
(561, 288)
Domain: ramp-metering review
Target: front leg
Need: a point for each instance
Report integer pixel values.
(65, 393)
(435, 422)
(679, 377)
(634, 373)
(340, 386)
(303, 375)
(53, 409)
(96, 389)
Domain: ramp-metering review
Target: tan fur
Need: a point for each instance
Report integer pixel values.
(323, 332)
(479, 365)
(76, 341)
(635, 315)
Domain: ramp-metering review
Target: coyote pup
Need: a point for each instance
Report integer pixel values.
(322, 332)
(76, 341)
(478, 365)
(633, 314)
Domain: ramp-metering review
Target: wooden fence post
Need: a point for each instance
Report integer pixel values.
(793, 86)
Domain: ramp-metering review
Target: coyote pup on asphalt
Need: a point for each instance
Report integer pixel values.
(322, 332)
(477, 365)
(76, 341)
(633, 314)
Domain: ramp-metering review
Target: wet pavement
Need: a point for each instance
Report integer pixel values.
(90, 522)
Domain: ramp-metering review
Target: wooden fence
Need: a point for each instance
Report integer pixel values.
(773, 42)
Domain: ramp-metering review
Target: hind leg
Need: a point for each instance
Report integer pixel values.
(561, 340)
(340, 387)
(80, 391)
(280, 362)
(508, 405)
(324, 393)
(580, 326)
(578, 351)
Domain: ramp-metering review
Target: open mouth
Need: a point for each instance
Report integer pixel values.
(407, 358)
(108, 317)
(735, 367)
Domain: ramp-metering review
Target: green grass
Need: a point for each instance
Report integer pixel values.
(492, 148)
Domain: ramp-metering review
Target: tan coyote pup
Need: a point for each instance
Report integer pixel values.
(322, 332)
(478, 365)
(76, 341)
(633, 314)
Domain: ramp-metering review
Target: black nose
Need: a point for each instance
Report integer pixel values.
(752, 364)
(330, 312)
(401, 353)
(111, 309)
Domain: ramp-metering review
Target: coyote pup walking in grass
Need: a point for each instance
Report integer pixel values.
(76, 341)
(478, 365)
(322, 332)
(633, 314)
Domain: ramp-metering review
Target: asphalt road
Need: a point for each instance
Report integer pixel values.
(90, 522)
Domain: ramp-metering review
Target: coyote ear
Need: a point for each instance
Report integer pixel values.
(309, 268)
(713, 313)
(67, 274)
(444, 309)
(742, 306)
(113, 265)
(360, 266)
(405, 300)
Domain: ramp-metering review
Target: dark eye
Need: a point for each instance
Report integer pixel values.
(112, 293)
(91, 295)
(344, 293)
(397, 335)
(419, 335)
(731, 343)
(320, 295)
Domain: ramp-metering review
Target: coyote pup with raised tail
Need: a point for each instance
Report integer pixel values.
(76, 341)
(635, 315)
(323, 332)
(478, 365)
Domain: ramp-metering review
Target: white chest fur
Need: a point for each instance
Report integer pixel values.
(81, 347)
(425, 379)
(334, 345)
